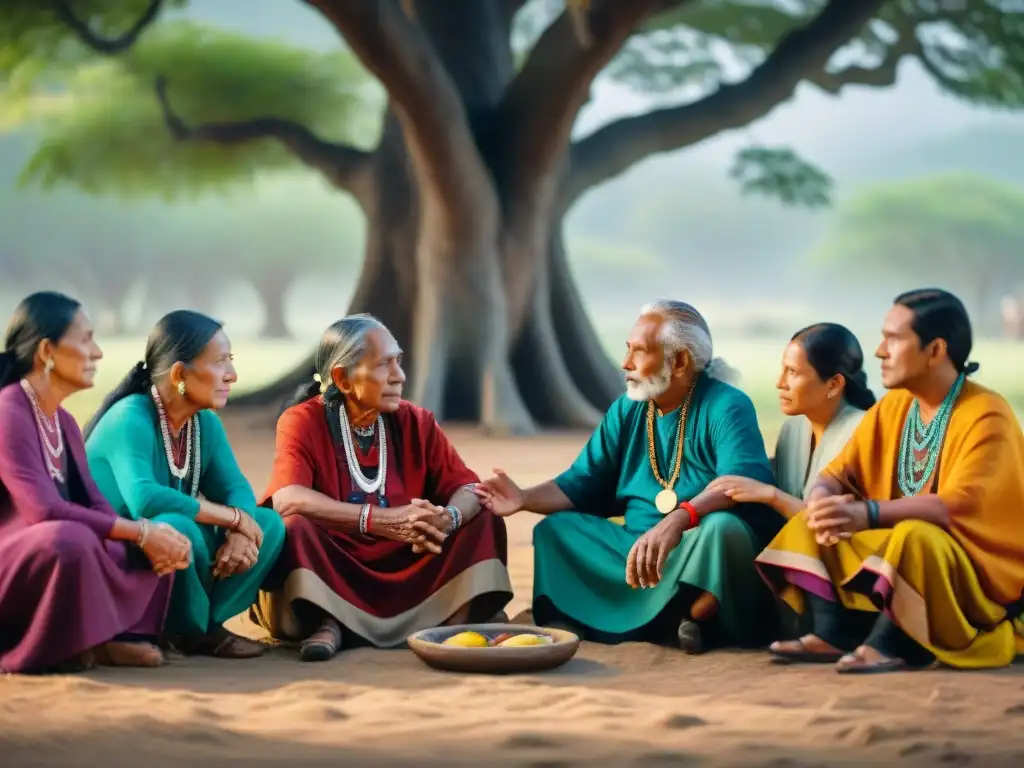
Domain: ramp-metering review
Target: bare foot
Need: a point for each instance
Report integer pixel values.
(704, 607)
(120, 654)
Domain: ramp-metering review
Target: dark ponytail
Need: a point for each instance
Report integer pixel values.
(43, 316)
(137, 382)
(178, 337)
(833, 350)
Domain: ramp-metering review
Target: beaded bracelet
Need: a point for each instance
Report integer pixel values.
(364, 518)
(456, 515)
(873, 512)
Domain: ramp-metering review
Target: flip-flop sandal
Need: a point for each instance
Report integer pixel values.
(805, 656)
(319, 648)
(852, 664)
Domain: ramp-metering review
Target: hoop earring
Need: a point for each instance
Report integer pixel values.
(181, 388)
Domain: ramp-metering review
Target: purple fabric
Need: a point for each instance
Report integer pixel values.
(810, 583)
(64, 588)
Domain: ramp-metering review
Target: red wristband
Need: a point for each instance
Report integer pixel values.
(692, 512)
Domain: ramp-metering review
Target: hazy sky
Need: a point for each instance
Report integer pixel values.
(826, 129)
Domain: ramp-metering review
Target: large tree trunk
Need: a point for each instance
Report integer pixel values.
(471, 277)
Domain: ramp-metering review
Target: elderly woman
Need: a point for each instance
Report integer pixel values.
(385, 534)
(78, 584)
(160, 453)
(681, 566)
(823, 389)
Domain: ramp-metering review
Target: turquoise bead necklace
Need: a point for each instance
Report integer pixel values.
(920, 445)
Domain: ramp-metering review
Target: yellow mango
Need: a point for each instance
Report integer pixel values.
(467, 640)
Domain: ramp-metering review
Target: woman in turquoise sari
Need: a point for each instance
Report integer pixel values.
(159, 452)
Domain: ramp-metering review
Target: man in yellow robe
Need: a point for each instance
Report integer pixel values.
(909, 551)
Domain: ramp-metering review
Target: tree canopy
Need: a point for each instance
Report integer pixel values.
(467, 165)
(90, 71)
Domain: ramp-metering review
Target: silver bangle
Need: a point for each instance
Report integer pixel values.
(143, 533)
(364, 516)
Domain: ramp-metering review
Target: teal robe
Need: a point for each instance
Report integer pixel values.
(580, 556)
(129, 464)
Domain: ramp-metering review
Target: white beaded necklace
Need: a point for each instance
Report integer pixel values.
(377, 485)
(191, 430)
(47, 427)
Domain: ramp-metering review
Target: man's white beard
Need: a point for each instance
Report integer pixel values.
(649, 388)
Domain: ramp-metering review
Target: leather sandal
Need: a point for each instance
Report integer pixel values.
(802, 655)
(323, 644)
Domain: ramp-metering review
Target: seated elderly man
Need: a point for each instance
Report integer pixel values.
(683, 561)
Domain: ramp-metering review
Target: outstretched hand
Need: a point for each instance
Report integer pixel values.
(500, 495)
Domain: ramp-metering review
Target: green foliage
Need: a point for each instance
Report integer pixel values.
(959, 225)
(782, 174)
(972, 49)
(108, 132)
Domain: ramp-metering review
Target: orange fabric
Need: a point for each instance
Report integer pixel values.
(980, 478)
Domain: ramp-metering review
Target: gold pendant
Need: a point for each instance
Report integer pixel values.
(666, 501)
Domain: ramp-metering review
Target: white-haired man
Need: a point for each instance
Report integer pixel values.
(682, 564)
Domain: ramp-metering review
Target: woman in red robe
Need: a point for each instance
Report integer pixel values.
(385, 535)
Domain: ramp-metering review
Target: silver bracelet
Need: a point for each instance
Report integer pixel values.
(140, 542)
(364, 516)
(456, 515)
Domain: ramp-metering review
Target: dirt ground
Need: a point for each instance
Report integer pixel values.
(631, 704)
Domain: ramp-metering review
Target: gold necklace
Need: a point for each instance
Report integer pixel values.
(666, 500)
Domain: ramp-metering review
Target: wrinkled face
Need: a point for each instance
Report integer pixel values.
(375, 384)
(75, 355)
(801, 390)
(648, 372)
(903, 358)
(209, 377)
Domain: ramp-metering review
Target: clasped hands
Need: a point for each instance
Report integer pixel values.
(240, 550)
(834, 518)
(420, 523)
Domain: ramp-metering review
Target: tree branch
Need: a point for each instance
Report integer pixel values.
(106, 46)
(802, 54)
(395, 49)
(541, 104)
(345, 167)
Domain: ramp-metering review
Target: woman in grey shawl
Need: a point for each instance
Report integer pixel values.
(823, 389)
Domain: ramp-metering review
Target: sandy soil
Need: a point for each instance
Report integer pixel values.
(628, 705)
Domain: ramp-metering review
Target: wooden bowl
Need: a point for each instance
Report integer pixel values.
(427, 644)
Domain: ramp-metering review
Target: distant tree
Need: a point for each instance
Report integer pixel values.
(961, 229)
(289, 231)
(466, 190)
